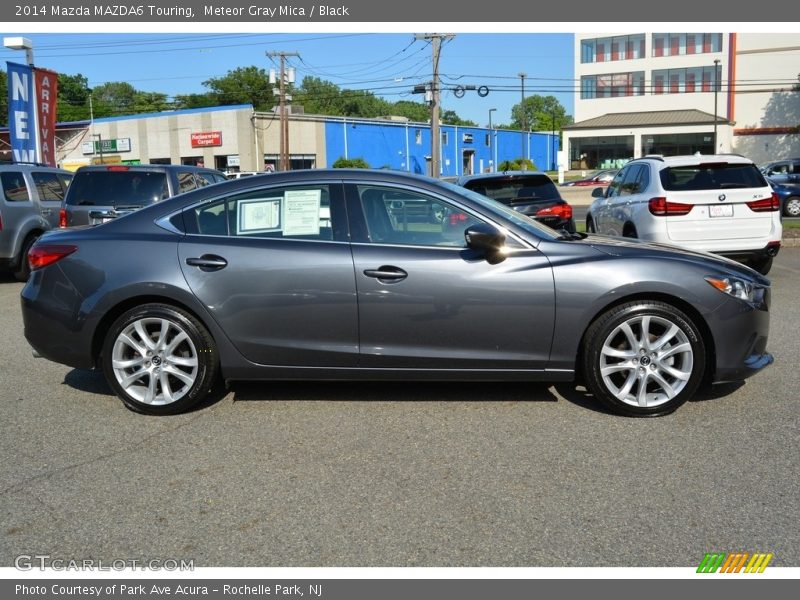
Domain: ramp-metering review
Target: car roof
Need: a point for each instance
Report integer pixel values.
(147, 167)
(695, 159)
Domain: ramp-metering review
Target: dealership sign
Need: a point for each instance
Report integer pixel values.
(104, 146)
(204, 139)
(32, 94)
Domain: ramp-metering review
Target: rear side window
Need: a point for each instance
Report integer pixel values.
(514, 189)
(186, 181)
(14, 187)
(48, 186)
(117, 188)
(713, 176)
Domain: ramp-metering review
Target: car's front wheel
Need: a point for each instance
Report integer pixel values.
(159, 359)
(643, 358)
(792, 207)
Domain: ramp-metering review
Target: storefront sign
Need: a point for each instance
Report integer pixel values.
(205, 139)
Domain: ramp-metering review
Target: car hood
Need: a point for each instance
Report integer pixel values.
(617, 246)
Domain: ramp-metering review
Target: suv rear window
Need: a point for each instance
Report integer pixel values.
(117, 188)
(512, 189)
(713, 176)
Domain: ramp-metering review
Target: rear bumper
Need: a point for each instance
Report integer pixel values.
(762, 253)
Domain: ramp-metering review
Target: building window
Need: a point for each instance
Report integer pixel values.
(684, 80)
(678, 44)
(622, 47)
(612, 85)
(418, 137)
(444, 138)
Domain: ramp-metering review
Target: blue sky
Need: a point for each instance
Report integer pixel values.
(387, 63)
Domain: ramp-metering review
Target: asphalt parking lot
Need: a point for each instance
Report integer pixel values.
(320, 474)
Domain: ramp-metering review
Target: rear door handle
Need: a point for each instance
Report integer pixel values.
(386, 273)
(208, 262)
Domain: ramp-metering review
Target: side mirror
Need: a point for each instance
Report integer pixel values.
(486, 239)
(598, 192)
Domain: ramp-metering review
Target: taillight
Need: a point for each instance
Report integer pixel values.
(46, 254)
(661, 207)
(563, 211)
(118, 168)
(62, 217)
(1, 222)
(457, 218)
(770, 204)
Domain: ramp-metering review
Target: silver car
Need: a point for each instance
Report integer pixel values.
(30, 199)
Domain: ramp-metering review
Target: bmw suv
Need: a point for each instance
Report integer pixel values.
(713, 203)
(30, 198)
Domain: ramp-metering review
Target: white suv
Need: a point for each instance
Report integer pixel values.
(714, 203)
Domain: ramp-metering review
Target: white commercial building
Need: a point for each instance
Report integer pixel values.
(673, 93)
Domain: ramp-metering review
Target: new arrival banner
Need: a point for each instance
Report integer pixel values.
(22, 113)
(46, 87)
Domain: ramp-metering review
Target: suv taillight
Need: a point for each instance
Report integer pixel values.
(46, 254)
(62, 217)
(770, 204)
(457, 218)
(563, 211)
(661, 207)
(118, 168)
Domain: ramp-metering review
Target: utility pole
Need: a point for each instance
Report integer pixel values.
(436, 140)
(716, 90)
(522, 77)
(283, 160)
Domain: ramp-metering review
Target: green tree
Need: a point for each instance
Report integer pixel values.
(350, 163)
(3, 98)
(244, 85)
(449, 117)
(194, 100)
(518, 164)
(542, 113)
(144, 102)
(73, 98)
(113, 99)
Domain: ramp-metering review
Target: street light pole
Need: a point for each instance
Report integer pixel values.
(554, 150)
(20, 43)
(716, 90)
(492, 160)
(522, 77)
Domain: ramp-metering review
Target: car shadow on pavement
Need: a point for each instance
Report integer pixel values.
(392, 391)
(714, 392)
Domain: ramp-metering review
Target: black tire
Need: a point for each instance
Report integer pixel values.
(632, 383)
(629, 231)
(791, 208)
(175, 371)
(590, 228)
(23, 270)
(762, 265)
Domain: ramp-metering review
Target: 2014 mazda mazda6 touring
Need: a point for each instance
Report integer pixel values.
(364, 274)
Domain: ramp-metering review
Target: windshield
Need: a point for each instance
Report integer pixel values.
(504, 213)
(117, 188)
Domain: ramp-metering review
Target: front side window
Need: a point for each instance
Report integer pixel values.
(14, 187)
(186, 181)
(615, 187)
(403, 217)
(285, 213)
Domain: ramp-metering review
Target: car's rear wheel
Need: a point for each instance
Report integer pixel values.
(762, 265)
(791, 207)
(629, 231)
(643, 359)
(590, 228)
(159, 359)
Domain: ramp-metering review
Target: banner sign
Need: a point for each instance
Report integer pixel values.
(22, 113)
(46, 86)
(206, 138)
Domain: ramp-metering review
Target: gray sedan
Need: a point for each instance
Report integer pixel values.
(314, 275)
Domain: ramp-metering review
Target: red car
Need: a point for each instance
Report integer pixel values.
(595, 179)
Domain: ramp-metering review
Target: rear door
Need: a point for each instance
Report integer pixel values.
(273, 267)
(716, 201)
(50, 190)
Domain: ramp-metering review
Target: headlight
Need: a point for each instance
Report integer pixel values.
(738, 288)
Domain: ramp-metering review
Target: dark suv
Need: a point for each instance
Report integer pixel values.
(530, 192)
(30, 196)
(104, 192)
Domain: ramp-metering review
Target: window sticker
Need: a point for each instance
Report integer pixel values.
(302, 212)
(259, 215)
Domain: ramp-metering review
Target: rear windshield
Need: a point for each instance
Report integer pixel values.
(117, 188)
(515, 189)
(715, 176)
